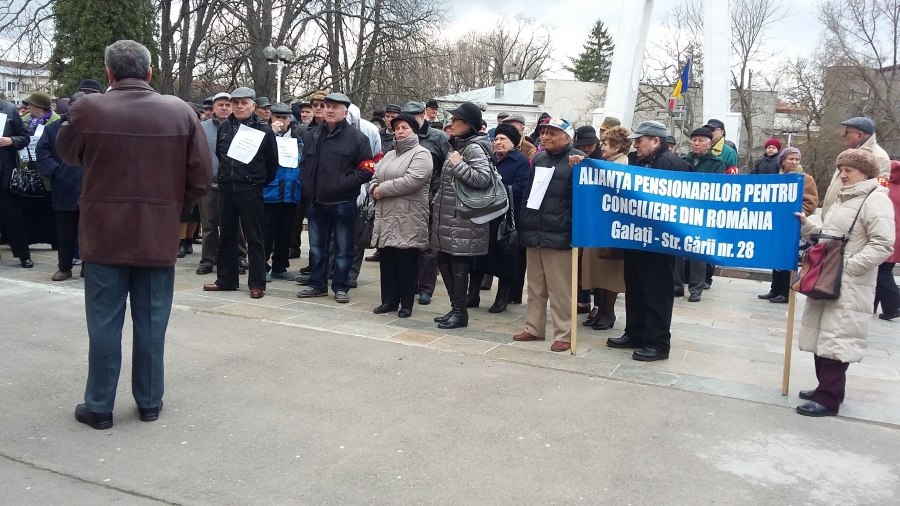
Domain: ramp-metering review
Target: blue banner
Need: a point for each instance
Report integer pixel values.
(723, 219)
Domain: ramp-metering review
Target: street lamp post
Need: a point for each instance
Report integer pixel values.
(790, 130)
(278, 57)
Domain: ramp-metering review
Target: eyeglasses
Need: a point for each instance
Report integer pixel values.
(319, 105)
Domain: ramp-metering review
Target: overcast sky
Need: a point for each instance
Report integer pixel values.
(572, 20)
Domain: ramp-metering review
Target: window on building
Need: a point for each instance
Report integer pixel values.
(12, 86)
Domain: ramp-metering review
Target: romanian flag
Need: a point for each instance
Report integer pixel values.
(682, 85)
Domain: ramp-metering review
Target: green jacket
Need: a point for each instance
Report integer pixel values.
(707, 164)
(726, 153)
(23, 163)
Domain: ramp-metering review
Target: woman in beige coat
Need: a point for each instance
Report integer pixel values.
(605, 277)
(400, 230)
(835, 330)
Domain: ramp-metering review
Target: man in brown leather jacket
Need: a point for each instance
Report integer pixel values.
(140, 171)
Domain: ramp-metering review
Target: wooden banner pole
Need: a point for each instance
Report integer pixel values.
(574, 308)
(789, 340)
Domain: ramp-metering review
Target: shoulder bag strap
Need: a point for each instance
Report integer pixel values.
(859, 211)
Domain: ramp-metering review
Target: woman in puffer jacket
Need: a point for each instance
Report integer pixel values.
(457, 239)
(835, 330)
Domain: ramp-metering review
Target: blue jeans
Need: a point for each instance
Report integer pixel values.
(323, 221)
(106, 288)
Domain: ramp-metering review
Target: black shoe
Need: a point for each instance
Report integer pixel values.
(181, 249)
(306, 270)
(424, 299)
(473, 301)
(695, 297)
(293, 253)
(384, 308)
(27, 263)
(813, 408)
(243, 263)
(649, 355)
(807, 395)
(459, 317)
(302, 280)
(603, 326)
(767, 296)
(707, 285)
(353, 283)
(890, 315)
(781, 299)
(625, 341)
(189, 246)
(442, 319)
(498, 306)
(375, 257)
(404, 313)
(204, 269)
(592, 317)
(150, 414)
(99, 421)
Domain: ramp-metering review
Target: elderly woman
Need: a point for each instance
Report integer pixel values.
(835, 330)
(400, 189)
(789, 163)
(514, 169)
(457, 239)
(601, 271)
(40, 221)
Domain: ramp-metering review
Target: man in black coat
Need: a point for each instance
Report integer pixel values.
(241, 193)
(13, 137)
(649, 277)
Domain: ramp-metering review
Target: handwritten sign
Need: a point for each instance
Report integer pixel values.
(288, 152)
(245, 144)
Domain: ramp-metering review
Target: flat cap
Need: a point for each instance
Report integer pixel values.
(208, 102)
(670, 139)
(220, 95)
(281, 109)
(609, 122)
(90, 85)
(319, 95)
(861, 123)
(715, 124)
(263, 102)
(393, 108)
(413, 108)
(243, 92)
(502, 114)
(702, 131)
(650, 129)
(515, 118)
(339, 98)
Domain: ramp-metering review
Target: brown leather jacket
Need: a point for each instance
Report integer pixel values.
(145, 159)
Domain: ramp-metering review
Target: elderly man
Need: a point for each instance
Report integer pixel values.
(306, 112)
(317, 116)
(526, 147)
(702, 160)
(90, 86)
(117, 143)
(587, 141)
(545, 229)
(501, 117)
(859, 132)
(336, 161)
(263, 109)
(207, 108)
(244, 170)
(431, 111)
(649, 276)
(281, 198)
(13, 137)
(721, 147)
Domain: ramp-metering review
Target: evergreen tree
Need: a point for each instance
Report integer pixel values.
(593, 64)
(83, 30)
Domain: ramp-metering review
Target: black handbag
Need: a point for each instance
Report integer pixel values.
(365, 223)
(507, 235)
(26, 181)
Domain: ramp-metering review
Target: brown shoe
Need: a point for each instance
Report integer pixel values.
(62, 275)
(256, 293)
(560, 346)
(525, 336)
(212, 287)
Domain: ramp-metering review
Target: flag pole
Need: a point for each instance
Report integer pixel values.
(574, 308)
(788, 340)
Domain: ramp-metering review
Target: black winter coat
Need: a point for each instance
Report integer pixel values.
(64, 178)
(662, 159)
(766, 165)
(235, 176)
(551, 225)
(334, 164)
(15, 129)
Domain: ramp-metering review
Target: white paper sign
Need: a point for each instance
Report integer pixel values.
(287, 152)
(27, 151)
(3, 117)
(245, 144)
(542, 177)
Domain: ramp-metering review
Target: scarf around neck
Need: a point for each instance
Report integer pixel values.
(402, 146)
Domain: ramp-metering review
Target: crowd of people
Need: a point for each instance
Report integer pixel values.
(252, 172)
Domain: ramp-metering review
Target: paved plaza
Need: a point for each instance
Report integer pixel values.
(288, 401)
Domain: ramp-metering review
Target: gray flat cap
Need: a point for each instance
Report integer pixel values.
(651, 129)
(515, 118)
(413, 108)
(219, 95)
(243, 92)
(861, 123)
(339, 98)
(263, 102)
(502, 114)
(670, 139)
(280, 109)
(393, 108)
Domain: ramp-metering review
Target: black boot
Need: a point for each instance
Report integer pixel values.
(181, 249)
(501, 301)
(447, 276)
(459, 317)
(473, 297)
(189, 246)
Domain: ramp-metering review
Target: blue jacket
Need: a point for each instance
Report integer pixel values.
(65, 178)
(285, 189)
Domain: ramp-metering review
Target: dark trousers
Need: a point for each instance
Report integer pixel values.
(209, 215)
(695, 278)
(518, 286)
(886, 291)
(106, 288)
(649, 278)
(832, 376)
(710, 270)
(297, 230)
(241, 210)
(399, 273)
(427, 263)
(279, 219)
(66, 238)
(781, 282)
(323, 222)
(14, 224)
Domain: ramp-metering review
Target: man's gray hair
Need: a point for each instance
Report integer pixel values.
(127, 59)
